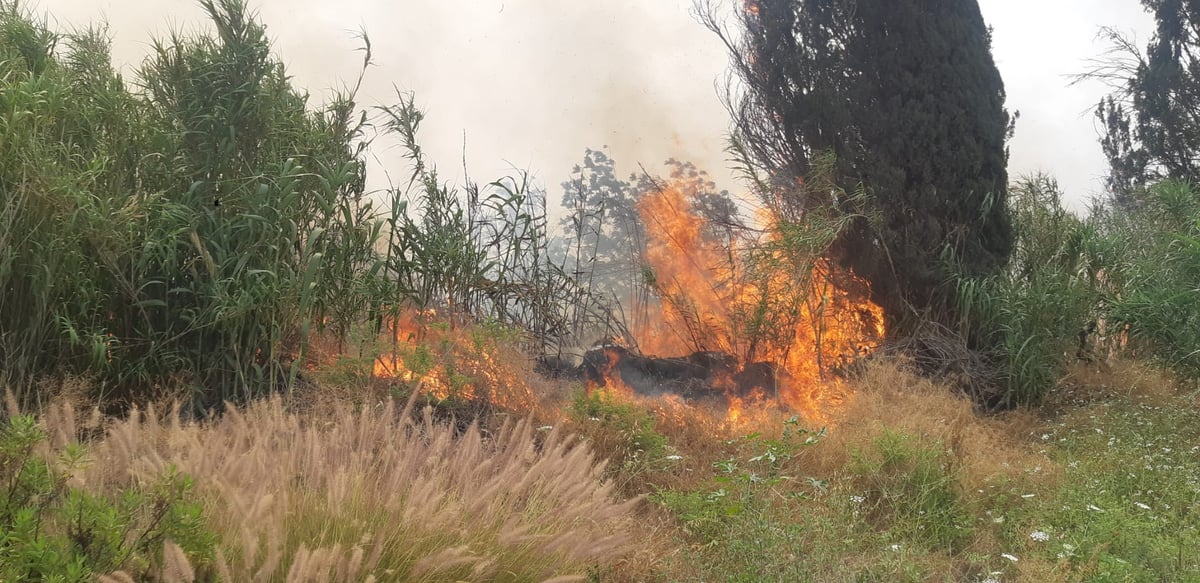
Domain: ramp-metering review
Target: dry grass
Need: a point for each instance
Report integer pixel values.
(889, 396)
(372, 493)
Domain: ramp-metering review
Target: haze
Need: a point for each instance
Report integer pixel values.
(529, 84)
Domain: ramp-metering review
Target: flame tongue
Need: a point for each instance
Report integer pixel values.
(760, 332)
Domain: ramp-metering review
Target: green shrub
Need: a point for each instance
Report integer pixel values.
(197, 229)
(1028, 318)
(1153, 285)
(50, 531)
(637, 438)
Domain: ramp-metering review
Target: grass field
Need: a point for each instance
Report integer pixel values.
(907, 484)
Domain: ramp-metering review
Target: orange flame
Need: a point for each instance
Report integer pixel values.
(451, 361)
(798, 314)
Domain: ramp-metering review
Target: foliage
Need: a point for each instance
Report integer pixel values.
(1041, 311)
(198, 229)
(484, 255)
(201, 230)
(907, 99)
(912, 485)
(621, 432)
(1151, 131)
(1154, 281)
(602, 230)
(54, 531)
(741, 481)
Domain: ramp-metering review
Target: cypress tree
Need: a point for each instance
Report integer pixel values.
(907, 97)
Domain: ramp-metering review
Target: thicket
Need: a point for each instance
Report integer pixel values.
(198, 226)
(195, 227)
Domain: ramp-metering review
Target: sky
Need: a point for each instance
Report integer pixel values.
(514, 85)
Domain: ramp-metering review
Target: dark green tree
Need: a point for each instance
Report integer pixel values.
(1151, 123)
(906, 96)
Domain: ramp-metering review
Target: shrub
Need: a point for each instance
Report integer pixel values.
(51, 530)
(622, 432)
(1153, 283)
(195, 230)
(1028, 318)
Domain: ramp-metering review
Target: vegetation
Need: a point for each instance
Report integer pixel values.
(198, 230)
(1150, 126)
(194, 255)
(851, 79)
(56, 530)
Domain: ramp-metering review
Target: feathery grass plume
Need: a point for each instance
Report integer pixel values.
(381, 491)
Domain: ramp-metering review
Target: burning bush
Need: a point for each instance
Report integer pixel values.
(735, 314)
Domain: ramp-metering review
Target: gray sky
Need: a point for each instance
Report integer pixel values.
(532, 83)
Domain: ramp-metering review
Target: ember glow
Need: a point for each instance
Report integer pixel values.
(784, 323)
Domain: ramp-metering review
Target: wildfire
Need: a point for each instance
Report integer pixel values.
(786, 319)
(446, 362)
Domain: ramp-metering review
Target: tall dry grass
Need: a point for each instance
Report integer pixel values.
(375, 494)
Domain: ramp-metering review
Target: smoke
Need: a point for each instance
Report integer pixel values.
(526, 84)
(532, 83)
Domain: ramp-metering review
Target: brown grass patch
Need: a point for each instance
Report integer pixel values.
(1087, 383)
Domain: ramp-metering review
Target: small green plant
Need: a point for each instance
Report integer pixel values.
(741, 481)
(52, 532)
(620, 431)
(911, 487)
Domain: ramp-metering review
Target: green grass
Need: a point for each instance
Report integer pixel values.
(1110, 492)
(1129, 509)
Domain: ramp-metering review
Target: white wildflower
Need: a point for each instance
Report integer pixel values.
(1039, 536)
(895, 547)
(858, 499)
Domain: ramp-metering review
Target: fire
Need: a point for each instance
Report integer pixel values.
(789, 320)
(447, 361)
